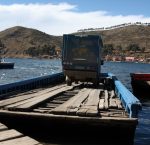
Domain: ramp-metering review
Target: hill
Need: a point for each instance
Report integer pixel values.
(133, 40)
(25, 42)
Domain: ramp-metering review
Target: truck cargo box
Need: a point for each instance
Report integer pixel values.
(81, 58)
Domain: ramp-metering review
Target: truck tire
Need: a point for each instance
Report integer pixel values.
(96, 83)
(68, 81)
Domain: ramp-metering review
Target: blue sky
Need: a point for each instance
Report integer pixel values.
(114, 7)
(65, 16)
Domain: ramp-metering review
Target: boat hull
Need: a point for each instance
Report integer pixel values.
(6, 65)
(141, 84)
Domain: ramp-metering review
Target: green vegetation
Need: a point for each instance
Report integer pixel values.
(41, 50)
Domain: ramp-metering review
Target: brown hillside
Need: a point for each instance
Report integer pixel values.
(25, 42)
(18, 40)
(125, 37)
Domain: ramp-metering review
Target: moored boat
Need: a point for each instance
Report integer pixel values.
(6, 65)
(141, 84)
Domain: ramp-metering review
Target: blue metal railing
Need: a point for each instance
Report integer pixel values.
(130, 102)
(31, 83)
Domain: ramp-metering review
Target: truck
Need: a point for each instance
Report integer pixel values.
(81, 58)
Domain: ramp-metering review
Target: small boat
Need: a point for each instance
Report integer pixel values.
(6, 65)
(140, 84)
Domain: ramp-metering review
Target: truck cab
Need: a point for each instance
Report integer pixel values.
(81, 58)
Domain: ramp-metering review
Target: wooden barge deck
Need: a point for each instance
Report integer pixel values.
(13, 137)
(109, 109)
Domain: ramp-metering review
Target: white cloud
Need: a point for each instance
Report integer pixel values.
(58, 19)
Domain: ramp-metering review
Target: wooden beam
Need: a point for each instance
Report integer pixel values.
(9, 134)
(101, 104)
(90, 107)
(112, 103)
(20, 141)
(3, 127)
(27, 96)
(72, 104)
(106, 100)
(119, 104)
(35, 101)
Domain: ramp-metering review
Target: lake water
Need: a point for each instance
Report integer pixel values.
(29, 68)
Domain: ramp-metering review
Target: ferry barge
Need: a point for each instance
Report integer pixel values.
(108, 112)
(89, 106)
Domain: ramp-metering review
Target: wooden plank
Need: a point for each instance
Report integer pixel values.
(27, 96)
(93, 98)
(90, 108)
(57, 101)
(51, 105)
(118, 102)
(40, 110)
(101, 104)
(20, 141)
(35, 101)
(112, 103)
(3, 127)
(81, 111)
(72, 103)
(106, 99)
(14, 105)
(9, 134)
(1, 124)
(112, 94)
(73, 108)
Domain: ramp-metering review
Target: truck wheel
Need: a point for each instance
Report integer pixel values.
(68, 81)
(96, 83)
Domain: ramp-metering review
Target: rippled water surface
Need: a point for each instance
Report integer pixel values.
(29, 68)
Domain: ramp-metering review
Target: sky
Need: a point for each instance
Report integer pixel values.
(57, 17)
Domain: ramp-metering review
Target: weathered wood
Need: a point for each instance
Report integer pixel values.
(20, 141)
(113, 114)
(91, 120)
(1, 124)
(72, 103)
(112, 94)
(63, 98)
(27, 96)
(40, 110)
(112, 103)
(9, 134)
(101, 104)
(3, 127)
(118, 102)
(35, 101)
(51, 105)
(90, 108)
(106, 100)
(81, 111)
(93, 98)
(31, 96)
(57, 101)
(73, 108)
